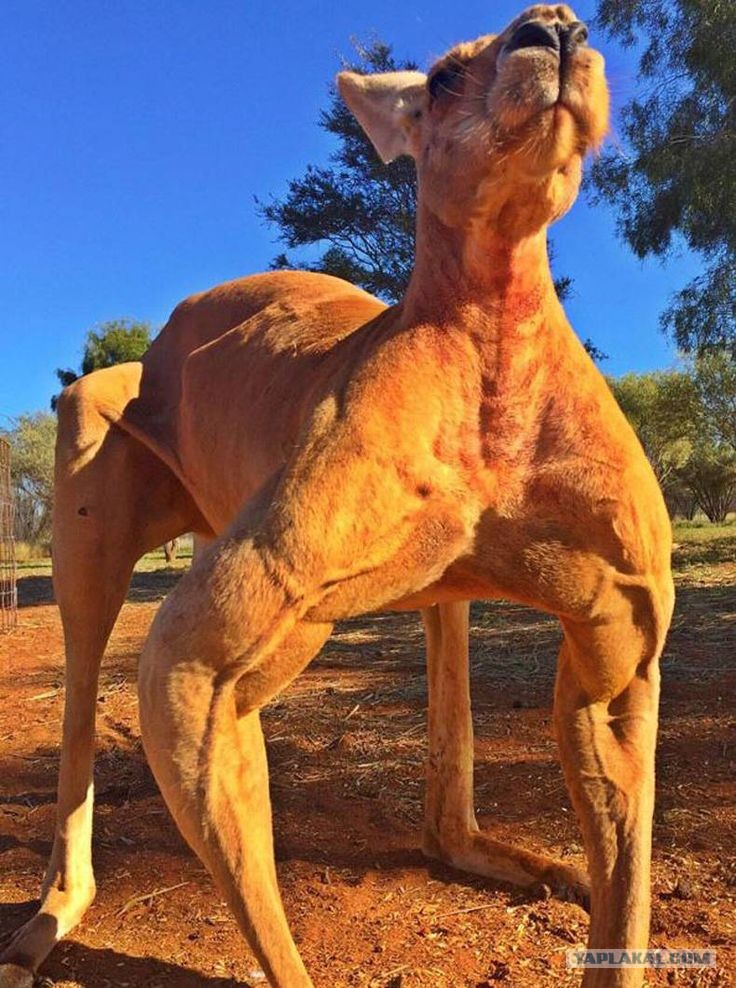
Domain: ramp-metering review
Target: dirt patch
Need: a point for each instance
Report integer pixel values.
(346, 746)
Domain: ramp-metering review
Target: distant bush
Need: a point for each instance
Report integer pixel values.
(28, 552)
(686, 421)
(32, 438)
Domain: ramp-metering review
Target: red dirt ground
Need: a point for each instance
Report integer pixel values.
(346, 746)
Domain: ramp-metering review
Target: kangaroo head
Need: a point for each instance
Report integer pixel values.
(499, 127)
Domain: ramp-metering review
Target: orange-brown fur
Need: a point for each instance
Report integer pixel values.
(344, 457)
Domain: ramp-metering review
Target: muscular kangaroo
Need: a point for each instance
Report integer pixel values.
(346, 457)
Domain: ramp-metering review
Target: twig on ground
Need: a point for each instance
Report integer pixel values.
(468, 909)
(147, 897)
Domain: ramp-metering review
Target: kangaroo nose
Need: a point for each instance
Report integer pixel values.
(534, 34)
(562, 38)
(573, 36)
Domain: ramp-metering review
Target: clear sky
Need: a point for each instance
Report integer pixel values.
(136, 134)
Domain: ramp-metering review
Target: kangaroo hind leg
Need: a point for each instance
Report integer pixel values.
(114, 501)
(451, 833)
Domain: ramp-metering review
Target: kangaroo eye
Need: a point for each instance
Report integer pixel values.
(444, 81)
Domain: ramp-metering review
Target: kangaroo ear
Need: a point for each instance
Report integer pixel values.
(388, 106)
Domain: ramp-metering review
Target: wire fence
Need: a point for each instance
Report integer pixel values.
(8, 574)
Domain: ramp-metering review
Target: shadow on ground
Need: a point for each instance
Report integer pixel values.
(347, 749)
(145, 588)
(91, 967)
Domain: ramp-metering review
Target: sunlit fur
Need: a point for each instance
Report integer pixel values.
(509, 126)
(343, 456)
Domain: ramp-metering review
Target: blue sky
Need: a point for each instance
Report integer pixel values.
(135, 135)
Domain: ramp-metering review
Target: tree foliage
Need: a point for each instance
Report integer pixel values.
(710, 476)
(660, 407)
(32, 440)
(359, 212)
(677, 179)
(714, 377)
(113, 342)
(686, 422)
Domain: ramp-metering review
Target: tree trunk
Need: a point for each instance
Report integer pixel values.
(170, 550)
